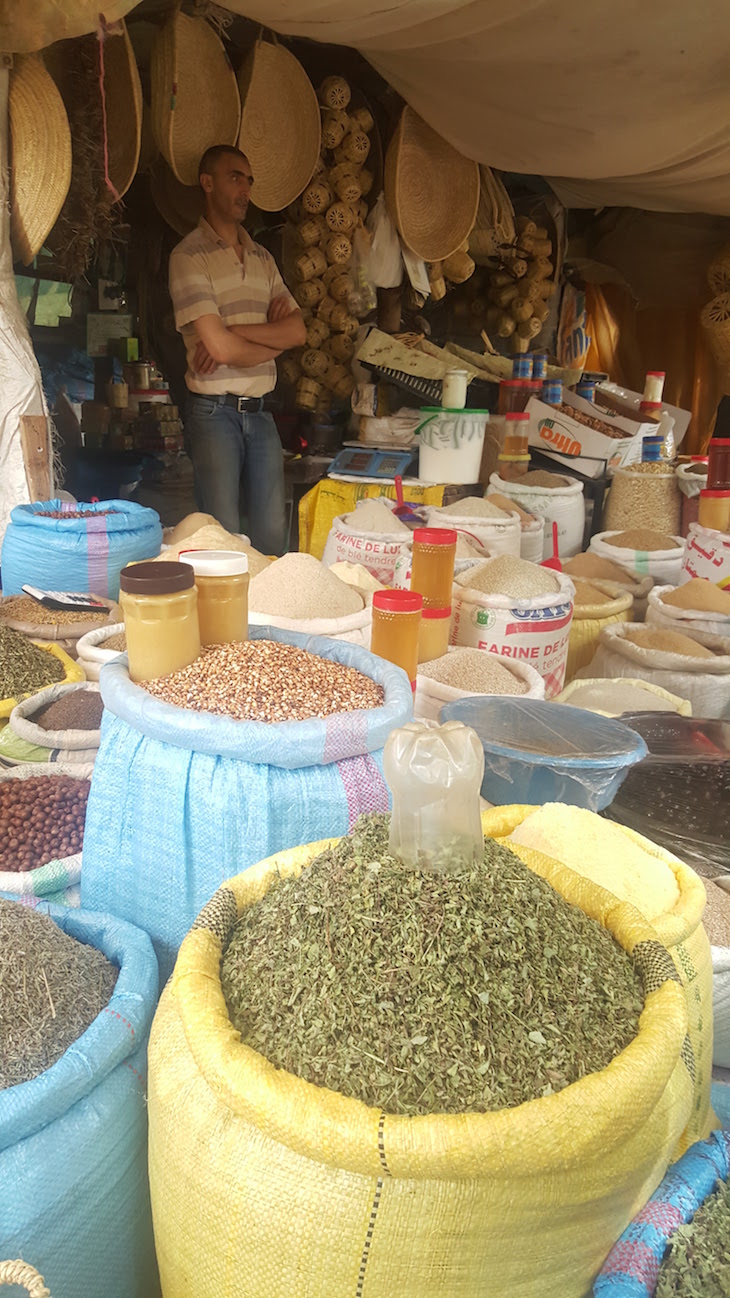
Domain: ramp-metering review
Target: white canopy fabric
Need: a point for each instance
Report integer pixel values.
(617, 102)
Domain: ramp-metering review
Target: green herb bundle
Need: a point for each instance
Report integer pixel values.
(697, 1264)
(424, 993)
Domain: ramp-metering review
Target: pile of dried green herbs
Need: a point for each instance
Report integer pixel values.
(697, 1263)
(51, 989)
(422, 993)
(23, 666)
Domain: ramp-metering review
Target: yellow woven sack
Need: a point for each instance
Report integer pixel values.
(588, 623)
(681, 931)
(73, 673)
(266, 1186)
(329, 499)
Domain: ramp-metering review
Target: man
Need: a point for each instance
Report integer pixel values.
(236, 317)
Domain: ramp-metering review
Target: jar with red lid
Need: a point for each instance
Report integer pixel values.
(396, 626)
(432, 569)
(513, 395)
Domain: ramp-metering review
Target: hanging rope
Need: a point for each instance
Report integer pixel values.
(101, 37)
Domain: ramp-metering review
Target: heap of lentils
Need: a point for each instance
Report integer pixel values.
(21, 608)
(78, 710)
(73, 513)
(261, 680)
(42, 818)
(428, 992)
(24, 668)
(697, 1262)
(51, 989)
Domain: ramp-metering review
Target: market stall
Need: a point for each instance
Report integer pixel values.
(364, 899)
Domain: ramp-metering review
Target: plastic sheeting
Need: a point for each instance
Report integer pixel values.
(621, 103)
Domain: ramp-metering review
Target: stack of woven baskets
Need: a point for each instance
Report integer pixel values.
(324, 221)
(716, 314)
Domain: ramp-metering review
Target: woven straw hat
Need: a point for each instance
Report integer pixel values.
(40, 142)
(180, 205)
(123, 94)
(195, 101)
(431, 190)
(281, 127)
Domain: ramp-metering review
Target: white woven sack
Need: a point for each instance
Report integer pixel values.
(532, 540)
(721, 1006)
(704, 681)
(706, 554)
(355, 628)
(494, 535)
(378, 552)
(565, 506)
(683, 619)
(75, 745)
(91, 652)
(690, 484)
(534, 630)
(671, 702)
(664, 566)
(56, 880)
(432, 695)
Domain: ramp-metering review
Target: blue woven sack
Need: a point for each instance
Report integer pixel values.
(74, 1196)
(632, 1267)
(77, 554)
(182, 800)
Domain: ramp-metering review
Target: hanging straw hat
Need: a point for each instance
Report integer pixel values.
(180, 205)
(195, 101)
(40, 143)
(431, 190)
(281, 127)
(123, 96)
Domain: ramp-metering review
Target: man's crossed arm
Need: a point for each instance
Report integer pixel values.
(246, 346)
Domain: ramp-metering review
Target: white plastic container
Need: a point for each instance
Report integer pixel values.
(451, 443)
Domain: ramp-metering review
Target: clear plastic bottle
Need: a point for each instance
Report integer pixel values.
(435, 775)
(160, 606)
(221, 580)
(395, 630)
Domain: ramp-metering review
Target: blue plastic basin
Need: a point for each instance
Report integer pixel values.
(537, 752)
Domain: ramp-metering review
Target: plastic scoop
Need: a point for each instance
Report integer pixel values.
(402, 509)
(554, 560)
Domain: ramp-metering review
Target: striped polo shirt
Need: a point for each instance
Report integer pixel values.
(207, 278)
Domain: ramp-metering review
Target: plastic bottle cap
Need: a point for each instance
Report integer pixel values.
(519, 415)
(512, 383)
(435, 536)
(649, 405)
(216, 563)
(656, 374)
(715, 492)
(155, 578)
(534, 383)
(398, 601)
(719, 441)
(434, 613)
(699, 459)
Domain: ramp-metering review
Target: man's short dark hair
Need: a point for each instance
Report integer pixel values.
(211, 156)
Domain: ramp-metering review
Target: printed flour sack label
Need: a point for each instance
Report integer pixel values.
(534, 631)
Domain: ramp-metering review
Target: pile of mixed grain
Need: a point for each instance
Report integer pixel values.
(51, 990)
(421, 992)
(643, 538)
(21, 608)
(262, 680)
(507, 575)
(474, 671)
(299, 587)
(117, 642)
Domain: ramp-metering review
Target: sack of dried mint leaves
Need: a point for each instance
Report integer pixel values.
(353, 981)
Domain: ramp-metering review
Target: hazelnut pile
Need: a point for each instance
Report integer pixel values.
(42, 818)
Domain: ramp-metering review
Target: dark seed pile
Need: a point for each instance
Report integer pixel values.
(41, 818)
(51, 989)
(697, 1263)
(77, 710)
(423, 993)
(23, 666)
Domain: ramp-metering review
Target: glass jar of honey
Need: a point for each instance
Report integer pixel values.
(160, 606)
(396, 624)
(432, 570)
(221, 579)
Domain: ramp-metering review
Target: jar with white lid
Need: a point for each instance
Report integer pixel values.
(221, 579)
(453, 389)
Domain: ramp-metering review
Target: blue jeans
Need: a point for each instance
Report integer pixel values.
(238, 455)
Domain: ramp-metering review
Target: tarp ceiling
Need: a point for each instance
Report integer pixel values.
(617, 102)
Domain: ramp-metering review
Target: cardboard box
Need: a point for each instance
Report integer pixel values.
(574, 446)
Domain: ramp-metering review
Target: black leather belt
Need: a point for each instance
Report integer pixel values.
(252, 405)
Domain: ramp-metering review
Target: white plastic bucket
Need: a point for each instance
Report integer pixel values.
(451, 443)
